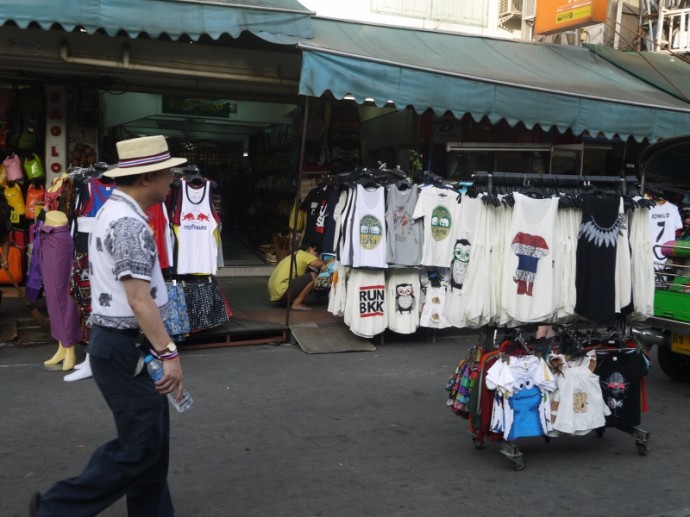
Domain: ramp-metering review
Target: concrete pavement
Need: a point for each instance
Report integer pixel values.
(276, 432)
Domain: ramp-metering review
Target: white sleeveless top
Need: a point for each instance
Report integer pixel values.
(527, 293)
(369, 246)
(197, 251)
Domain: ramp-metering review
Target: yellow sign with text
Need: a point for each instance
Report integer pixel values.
(563, 15)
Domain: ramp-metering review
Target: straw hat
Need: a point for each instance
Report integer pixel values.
(140, 155)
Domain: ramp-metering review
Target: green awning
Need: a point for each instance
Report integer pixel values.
(665, 71)
(533, 83)
(171, 17)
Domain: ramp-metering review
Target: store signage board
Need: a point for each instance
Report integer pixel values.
(197, 107)
(563, 15)
(56, 134)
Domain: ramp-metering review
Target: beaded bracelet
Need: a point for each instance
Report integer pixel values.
(168, 357)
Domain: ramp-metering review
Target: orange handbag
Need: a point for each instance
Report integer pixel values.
(34, 195)
(15, 266)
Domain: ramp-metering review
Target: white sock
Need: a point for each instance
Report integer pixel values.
(84, 371)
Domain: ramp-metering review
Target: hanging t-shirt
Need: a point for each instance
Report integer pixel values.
(595, 275)
(404, 232)
(527, 293)
(664, 220)
(345, 249)
(522, 383)
(403, 300)
(623, 263)
(318, 212)
(328, 245)
(464, 237)
(369, 228)
(620, 374)
(440, 210)
(162, 234)
(197, 247)
(365, 306)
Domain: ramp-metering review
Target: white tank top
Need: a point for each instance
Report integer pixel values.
(369, 229)
(197, 251)
(527, 291)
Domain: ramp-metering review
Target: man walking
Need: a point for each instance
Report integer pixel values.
(128, 297)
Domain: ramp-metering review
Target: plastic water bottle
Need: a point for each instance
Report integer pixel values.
(155, 369)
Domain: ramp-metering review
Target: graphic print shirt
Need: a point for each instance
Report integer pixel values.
(122, 245)
(440, 210)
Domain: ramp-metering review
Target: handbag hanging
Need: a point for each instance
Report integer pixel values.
(13, 168)
(15, 198)
(35, 195)
(33, 167)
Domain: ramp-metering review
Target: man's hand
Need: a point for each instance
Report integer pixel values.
(172, 378)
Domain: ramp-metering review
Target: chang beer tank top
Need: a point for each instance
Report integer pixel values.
(527, 291)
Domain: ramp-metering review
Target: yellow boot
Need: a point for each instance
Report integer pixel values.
(58, 357)
(70, 359)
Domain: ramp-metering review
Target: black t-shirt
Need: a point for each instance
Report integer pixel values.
(620, 374)
(595, 270)
(318, 212)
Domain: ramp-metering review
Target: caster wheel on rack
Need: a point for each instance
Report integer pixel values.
(642, 449)
(600, 431)
(477, 443)
(519, 464)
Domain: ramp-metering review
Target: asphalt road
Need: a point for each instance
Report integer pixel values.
(276, 432)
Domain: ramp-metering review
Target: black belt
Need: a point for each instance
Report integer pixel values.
(126, 332)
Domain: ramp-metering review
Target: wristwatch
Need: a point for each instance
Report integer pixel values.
(170, 348)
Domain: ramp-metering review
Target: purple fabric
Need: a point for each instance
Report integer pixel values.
(34, 281)
(56, 250)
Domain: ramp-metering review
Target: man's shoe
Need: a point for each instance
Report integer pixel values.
(33, 505)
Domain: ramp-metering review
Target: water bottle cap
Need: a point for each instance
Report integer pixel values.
(148, 359)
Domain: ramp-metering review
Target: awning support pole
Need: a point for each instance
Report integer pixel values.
(293, 223)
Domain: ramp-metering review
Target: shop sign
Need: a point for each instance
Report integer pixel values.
(198, 107)
(562, 15)
(56, 134)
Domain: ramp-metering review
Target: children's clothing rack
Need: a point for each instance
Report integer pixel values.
(472, 399)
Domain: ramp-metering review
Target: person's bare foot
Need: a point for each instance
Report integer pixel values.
(300, 308)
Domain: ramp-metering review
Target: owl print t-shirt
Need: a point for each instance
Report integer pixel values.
(402, 300)
(122, 245)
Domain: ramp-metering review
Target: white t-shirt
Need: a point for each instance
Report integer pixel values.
(365, 306)
(440, 210)
(664, 220)
(403, 300)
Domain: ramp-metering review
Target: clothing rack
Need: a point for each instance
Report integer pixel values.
(491, 179)
(466, 395)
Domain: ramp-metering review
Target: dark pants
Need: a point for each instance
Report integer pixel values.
(136, 463)
(295, 287)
